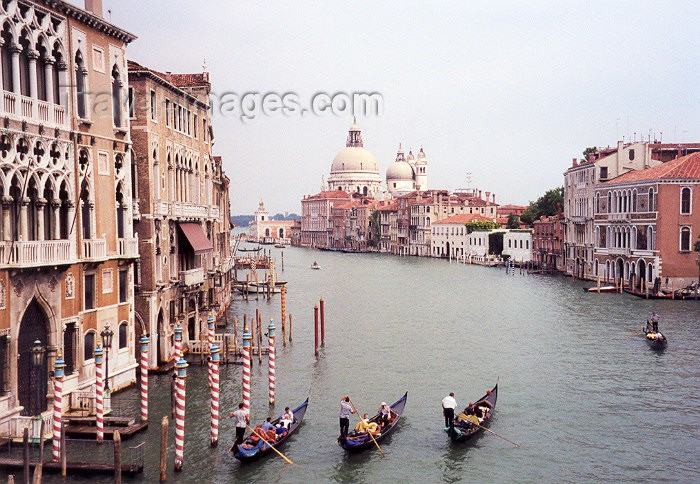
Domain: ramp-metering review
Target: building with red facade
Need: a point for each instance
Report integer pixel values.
(548, 243)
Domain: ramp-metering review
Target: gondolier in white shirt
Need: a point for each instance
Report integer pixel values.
(448, 410)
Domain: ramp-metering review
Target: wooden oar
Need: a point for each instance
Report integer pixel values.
(271, 446)
(370, 433)
(494, 433)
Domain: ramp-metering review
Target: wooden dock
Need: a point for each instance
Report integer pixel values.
(84, 427)
(72, 467)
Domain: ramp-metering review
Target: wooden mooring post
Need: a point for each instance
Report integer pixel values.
(25, 454)
(322, 307)
(260, 339)
(290, 327)
(283, 307)
(64, 458)
(39, 468)
(163, 448)
(117, 457)
(316, 329)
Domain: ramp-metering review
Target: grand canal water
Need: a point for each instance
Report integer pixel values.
(579, 388)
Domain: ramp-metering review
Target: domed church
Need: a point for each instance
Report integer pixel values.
(354, 168)
(407, 174)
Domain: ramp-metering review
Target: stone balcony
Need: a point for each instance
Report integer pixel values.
(33, 109)
(128, 247)
(214, 211)
(161, 208)
(192, 277)
(36, 253)
(188, 210)
(94, 249)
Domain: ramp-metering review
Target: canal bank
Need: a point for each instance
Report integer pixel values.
(579, 389)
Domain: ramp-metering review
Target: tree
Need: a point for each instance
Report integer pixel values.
(513, 221)
(485, 225)
(374, 228)
(551, 203)
(589, 151)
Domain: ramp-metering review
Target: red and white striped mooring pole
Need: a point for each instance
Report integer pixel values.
(58, 367)
(144, 378)
(214, 371)
(271, 359)
(99, 398)
(180, 382)
(246, 370)
(210, 338)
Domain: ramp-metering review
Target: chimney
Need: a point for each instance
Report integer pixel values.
(574, 162)
(479, 194)
(488, 196)
(494, 198)
(94, 6)
(620, 145)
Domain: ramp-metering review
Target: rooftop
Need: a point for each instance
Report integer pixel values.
(685, 167)
(463, 218)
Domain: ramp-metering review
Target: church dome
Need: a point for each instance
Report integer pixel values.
(354, 157)
(400, 169)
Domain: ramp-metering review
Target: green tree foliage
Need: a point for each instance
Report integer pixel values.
(589, 151)
(374, 228)
(551, 203)
(485, 225)
(513, 221)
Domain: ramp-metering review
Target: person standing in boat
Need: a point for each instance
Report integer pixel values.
(345, 411)
(242, 419)
(655, 322)
(448, 410)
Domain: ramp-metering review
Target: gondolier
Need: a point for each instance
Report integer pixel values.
(345, 411)
(448, 410)
(655, 322)
(242, 420)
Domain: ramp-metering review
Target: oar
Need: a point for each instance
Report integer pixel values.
(271, 446)
(494, 433)
(370, 433)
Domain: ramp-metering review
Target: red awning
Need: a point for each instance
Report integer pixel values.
(196, 237)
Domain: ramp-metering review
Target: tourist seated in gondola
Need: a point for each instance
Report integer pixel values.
(287, 418)
(385, 414)
(268, 425)
(649, 328)
(364, 425)
(470, 409)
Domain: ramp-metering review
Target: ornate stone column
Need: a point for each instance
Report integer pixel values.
(6, 217)
(48, 81)
(56, 214)
(23, 219)
(60, 96)
(33, 89)
(16, 49)
(2, 46)
(40, 204)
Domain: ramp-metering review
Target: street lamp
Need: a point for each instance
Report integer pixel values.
(107, 335)
(37, 353)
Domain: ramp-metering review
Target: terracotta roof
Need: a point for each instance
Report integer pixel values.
(513, 207)
(684, 167)
(388, 208)
(463, 218)
(334, 194)
(177, 80)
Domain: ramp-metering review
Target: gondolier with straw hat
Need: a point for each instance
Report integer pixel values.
(448, 410)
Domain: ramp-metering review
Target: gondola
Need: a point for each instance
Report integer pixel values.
(258, 249)
(464, 431)
(364, 441)
(655, 340)
(261, 448)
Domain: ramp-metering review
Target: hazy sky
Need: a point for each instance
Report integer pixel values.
(509, 91)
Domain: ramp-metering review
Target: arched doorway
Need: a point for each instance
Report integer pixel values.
(447, 245)
(620, 273)
(281, 233)
(642, 272)
(32, 383)
(267, 232)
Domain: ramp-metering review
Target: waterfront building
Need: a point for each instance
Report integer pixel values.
(517, 243)
(503, 211)
(295, 233)
(580, 182)
(184, 221)
(407, 174)
(354, 168)
(450, 237)
(548, 243)
(388, 215)
(316, 210)
(263, 227)
(67, 248)
(646, 224)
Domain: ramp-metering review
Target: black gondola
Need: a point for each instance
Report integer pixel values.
(363, 441)
(655, 340)
(464, 430)
(261, 448)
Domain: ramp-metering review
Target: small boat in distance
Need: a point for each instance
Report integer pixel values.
(252, 450)
(465, 430)
(363, 441)
(655, 340)
(280, 246)
(601, 289)
(315, 265)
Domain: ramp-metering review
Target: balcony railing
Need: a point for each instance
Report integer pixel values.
(36, 252)
(192, 277)
(44, 110)
(27, 106)
(94, 249)
(181, 209)
(160, 207)
(214, 211)
(9, 102)
(59, 115)
(128, 247)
